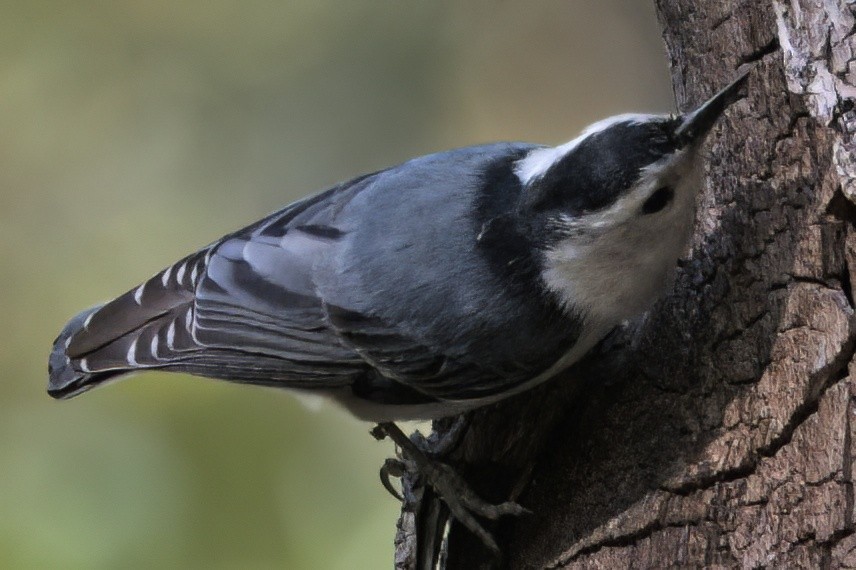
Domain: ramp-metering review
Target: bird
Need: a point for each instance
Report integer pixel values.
(427, 289)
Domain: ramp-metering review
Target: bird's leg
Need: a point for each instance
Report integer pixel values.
(445, 437)
(462, 502)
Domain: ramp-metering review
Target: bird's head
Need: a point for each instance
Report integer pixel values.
(613, 209)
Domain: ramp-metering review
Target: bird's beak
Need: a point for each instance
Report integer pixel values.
(695, 125)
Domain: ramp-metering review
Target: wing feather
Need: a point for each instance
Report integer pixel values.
(331, 291)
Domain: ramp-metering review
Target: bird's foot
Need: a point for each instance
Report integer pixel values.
(420, 456)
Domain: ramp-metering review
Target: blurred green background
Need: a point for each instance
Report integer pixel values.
(132, 133)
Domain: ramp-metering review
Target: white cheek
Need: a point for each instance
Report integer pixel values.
(618, 274)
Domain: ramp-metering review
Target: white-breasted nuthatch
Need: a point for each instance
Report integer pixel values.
(427, 289)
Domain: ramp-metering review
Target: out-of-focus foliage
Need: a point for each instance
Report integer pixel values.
(131, 133)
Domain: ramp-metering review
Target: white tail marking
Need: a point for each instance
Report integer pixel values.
(170, 336)
(179, 275)
(138, 294)
(188, 322)
(131, 357)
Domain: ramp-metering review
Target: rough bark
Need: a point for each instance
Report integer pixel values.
(717, 432)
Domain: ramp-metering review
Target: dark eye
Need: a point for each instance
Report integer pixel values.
(658, 200)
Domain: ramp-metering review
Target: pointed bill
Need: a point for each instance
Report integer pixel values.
(695, 125)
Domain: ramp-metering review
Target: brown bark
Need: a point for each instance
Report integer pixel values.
(716, 432)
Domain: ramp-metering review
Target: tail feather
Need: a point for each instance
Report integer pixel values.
(166, 343)
(64, 378)
(243, 309)
(141, 348)
(166, 291)
(155, 325)
(147, 327)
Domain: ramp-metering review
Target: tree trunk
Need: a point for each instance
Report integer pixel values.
(716, 431)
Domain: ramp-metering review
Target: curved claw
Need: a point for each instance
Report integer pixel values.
(395, 468)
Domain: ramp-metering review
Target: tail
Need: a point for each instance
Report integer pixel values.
(146, 328)
(65, 380)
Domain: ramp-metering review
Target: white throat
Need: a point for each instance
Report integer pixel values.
(621, 264)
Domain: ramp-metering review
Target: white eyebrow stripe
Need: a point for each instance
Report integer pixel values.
(539, 160)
